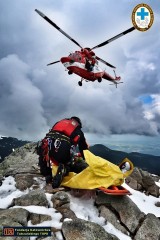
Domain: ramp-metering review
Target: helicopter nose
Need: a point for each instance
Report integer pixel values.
(65, 60)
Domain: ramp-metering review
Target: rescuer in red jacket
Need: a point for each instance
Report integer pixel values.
(59, 147)
(90, 58)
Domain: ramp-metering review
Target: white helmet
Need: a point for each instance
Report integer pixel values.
(125, 167)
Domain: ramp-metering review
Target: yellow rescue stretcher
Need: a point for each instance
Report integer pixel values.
(100, 174)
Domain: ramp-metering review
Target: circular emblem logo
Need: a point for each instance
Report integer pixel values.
(142, 17)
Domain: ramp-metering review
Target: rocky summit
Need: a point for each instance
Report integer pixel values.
(33, 194)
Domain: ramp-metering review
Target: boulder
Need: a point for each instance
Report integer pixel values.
(150, 229)
(66, 212)
(127, 211)
(14, 217)
(133, 183)
(143, 181)
(136, 175)
(36, 197)
(149, 185)
(24, 181)
(157, 204)
(84, 230)
(39, 218)
(59, 199)
(1, 179)
(111, 217)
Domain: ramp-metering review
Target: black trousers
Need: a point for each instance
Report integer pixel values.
(45, 168)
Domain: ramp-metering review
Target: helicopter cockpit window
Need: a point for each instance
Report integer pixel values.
(78, 56)
(72, 59)
(75, 56)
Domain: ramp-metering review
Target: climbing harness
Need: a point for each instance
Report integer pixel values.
(57, 144)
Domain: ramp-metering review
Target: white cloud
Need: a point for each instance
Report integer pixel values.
(21, 110)
(152, 112)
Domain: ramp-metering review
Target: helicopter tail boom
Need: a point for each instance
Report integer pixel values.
(110, 78)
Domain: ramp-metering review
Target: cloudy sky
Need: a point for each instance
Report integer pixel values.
(33, 96)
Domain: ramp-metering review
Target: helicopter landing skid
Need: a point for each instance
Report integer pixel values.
(82, 79)
(80, 82)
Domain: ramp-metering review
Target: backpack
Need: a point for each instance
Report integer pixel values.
(42, 148)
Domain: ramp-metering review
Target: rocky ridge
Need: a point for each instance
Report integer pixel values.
(8, 145)
(120, 211)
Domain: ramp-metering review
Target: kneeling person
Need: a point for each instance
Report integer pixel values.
(58, 150)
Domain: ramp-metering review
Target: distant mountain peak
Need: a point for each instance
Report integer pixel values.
(101, 146)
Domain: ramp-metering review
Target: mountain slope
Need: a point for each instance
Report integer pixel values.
(7, 144)
(25, 200)
(146, 162)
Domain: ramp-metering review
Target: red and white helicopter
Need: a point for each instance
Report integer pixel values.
(84, 62)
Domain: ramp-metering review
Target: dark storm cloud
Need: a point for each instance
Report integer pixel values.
(33, 96)
(20, 100)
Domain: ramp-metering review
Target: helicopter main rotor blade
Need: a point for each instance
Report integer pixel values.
(106, 63)
(58, 28)
(52, 63)
(114, 38)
